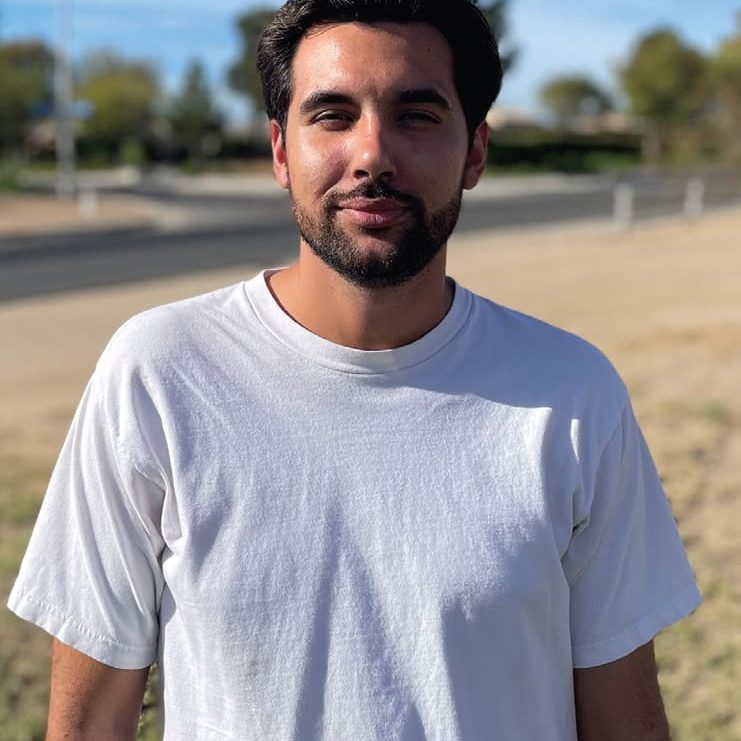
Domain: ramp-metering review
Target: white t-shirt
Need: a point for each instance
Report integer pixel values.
(322, 542)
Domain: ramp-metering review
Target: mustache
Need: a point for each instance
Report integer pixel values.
(372, 190)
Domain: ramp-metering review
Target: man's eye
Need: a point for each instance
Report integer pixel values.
(419, 117)
(333, 118)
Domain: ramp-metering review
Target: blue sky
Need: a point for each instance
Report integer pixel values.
(565, 36)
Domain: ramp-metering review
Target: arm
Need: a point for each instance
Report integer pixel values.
(90, 700)
(621, 701)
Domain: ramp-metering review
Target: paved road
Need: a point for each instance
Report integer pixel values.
(231, 230)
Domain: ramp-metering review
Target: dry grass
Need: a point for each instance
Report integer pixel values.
(664, 302)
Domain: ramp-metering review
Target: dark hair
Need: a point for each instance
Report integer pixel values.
(477, 67)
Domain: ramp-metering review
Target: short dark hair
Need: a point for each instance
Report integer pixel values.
(477, 67)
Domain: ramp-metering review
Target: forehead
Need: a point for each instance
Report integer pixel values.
(382, 57)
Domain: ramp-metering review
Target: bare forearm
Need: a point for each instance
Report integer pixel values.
(70, 730)
(91, 701)
(621, 701)
(636, 731)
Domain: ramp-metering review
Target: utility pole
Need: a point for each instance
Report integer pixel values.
(63, 92)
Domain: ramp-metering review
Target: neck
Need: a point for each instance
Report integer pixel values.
(367, 319)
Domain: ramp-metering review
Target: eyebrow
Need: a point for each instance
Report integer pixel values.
(425, 95)
(322, 98)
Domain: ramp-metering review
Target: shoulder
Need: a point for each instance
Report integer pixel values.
(141, 378)
(161, 335)
(527, 340)
(546, 365)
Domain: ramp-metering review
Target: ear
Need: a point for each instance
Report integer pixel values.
(477, 156)
(280, 160)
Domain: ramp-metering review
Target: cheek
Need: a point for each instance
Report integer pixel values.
(435, 160)
(441, 180)
(315, 166)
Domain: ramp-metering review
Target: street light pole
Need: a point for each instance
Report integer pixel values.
(63, 92)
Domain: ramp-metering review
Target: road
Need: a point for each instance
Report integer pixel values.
(227, 231)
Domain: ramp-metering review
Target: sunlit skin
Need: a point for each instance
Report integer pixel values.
(372, 104)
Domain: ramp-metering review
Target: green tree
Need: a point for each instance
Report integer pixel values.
(496, 14)
(26, 88)
(192, 113)
(124, 94)
(570, 97)
(243, 77)
(726, 74)
(666, 82)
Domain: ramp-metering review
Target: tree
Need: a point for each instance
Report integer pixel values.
(123, 94)
(243, 77)
(666, 82)
(570, 97)
(192, 113)
(726, 74)
(26, 88)
(496, 15)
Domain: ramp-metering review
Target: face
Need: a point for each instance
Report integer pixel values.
(376, 151)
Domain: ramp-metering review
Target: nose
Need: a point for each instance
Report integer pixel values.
(373, 156)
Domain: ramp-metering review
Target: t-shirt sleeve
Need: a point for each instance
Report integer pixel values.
(626, 565)
(91, 575)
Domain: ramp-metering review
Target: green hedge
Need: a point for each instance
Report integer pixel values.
(563, 151)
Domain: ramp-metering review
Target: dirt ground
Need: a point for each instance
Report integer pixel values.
(663, 301)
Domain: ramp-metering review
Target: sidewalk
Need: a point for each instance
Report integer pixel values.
(25, 215)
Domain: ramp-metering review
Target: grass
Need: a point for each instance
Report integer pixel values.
(9, 176)
(699, 658)
(24, 650)
(715, 411)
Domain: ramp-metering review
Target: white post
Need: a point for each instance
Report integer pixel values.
(87, 203)
(624, 207)
(694, 200)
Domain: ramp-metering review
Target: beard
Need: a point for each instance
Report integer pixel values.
(412, 251)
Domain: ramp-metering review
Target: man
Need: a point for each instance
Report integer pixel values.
(349, 499)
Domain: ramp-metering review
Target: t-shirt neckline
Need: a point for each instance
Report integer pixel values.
(349, 359)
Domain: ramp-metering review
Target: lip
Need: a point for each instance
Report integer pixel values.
(378, 213)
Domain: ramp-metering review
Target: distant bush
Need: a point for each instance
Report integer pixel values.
(132, 152)
(536, 149)
(9, 180)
